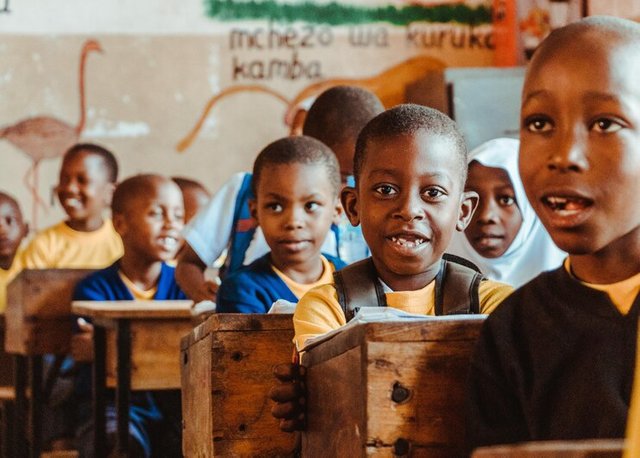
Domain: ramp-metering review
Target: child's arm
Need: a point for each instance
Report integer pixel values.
(290, 396)
(317, 313)
(190, 276)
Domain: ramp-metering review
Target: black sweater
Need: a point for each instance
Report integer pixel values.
(554, 361)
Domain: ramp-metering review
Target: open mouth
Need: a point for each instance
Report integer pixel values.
(566, 205)
(407, 241)
(169, 243)
(71, 202)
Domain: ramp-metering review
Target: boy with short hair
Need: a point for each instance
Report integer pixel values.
(13, 230)
(335, 118)
(148, 213)
(296, 182)
(555, 361)
(195, 196)
(85, 239)
(410, 167)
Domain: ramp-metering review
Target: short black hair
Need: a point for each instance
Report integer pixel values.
(408, 119)
(107, 157)
(133, 187)
(297, 150)
(188, 183)
(339, 114)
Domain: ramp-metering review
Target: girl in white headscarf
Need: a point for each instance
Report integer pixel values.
(505, 238)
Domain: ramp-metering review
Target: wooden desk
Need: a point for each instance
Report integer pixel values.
(596, 448)
(388, 389)
(227, 371)
(136, 347)
(38, 322)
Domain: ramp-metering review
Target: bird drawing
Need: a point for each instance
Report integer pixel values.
(46, 137)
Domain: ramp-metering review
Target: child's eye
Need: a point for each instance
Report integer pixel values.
(274, 207)
(537, 124)
(385, 190)
(606, 126)
(506, 201)
(312, 206)
(433, 193)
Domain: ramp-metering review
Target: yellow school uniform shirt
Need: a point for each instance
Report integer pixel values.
(6, 276)
(60, 247)
(632, 445)
(319, 311)
(300, 289)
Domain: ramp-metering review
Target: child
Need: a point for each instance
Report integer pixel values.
(410, 166)
(148, 213)
(555, 361)
(85, 239)
(195, 196)
(335, 119)
(296, 182)
(12, 230)
(505, 238)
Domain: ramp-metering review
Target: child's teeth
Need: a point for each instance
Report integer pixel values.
(408, 243)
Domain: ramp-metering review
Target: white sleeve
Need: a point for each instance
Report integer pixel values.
(209, 231)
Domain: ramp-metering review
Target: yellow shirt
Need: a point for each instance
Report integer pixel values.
(300, 289)
(137, 293)
(632, 444)
(60, 247)
(622, 293)
(319, 311)
(6, 276)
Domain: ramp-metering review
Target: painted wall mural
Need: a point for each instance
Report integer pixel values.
(199, 87)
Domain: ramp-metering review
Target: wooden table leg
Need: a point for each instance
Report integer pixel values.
(35, 406)
(123, 388)
(20, 413)
(99, 392)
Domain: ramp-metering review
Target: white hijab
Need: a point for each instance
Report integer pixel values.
(532, 250)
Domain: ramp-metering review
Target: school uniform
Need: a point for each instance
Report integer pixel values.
(555, 362)
(254, 288)
(7, 275)
(154, 416)
(319, 311)
(61, 247)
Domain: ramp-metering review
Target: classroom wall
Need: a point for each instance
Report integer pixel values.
(163, 61)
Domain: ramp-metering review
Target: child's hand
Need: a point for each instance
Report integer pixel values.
(290, 397)
(82, 343)
(207, 291)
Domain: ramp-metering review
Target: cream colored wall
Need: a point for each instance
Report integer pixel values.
(162, 62)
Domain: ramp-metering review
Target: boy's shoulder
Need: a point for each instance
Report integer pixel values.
(251, 275)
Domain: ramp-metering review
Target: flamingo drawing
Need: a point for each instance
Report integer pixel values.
(389, 85)
(46, 137)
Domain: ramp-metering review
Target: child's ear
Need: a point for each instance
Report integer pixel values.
(119, 222)
(349, 199)
(253, 209)
(111, 187)
(468, 205)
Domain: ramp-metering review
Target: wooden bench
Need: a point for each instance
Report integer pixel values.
(136, 347)
(390, 389)
(596, 448)
(227, 365)
(38, 322)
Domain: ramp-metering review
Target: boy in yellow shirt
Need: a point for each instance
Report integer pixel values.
(410, 167)
(85, 239)
(555, 361)
(12, 230)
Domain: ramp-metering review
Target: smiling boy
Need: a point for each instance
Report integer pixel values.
(409, 198)
(555, 361)
(148, 213)
(85, 239)
(296, 182)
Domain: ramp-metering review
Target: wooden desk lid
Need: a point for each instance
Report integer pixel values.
(133, 309)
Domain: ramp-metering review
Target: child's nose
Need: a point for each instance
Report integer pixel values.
(411, 207)
(294, 218)
(568, 153)
(487, 212)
